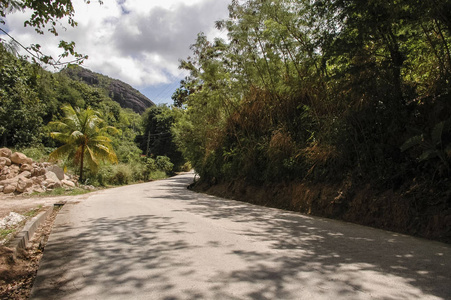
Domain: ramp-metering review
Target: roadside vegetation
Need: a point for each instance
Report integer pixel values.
(321, 96)
(38, 112)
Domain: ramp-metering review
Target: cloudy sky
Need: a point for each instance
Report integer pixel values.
(137, 41)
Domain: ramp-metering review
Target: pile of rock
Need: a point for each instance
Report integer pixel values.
(20, 174)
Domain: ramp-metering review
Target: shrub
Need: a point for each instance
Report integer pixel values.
(38, 153)
(121, 174)
(164, 164)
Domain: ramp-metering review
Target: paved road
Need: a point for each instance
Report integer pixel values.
(159, 240)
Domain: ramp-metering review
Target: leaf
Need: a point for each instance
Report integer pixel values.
(413, 141)
(428, 154)
(437, 132)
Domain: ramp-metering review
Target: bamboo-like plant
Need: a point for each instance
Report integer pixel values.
(84, 135)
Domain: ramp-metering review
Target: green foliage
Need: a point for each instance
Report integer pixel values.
(137, 171)
(157, 138)
(324, 90)
(121, 174)
(85, 138)
(164, 164)
(21, 111)
(437, 145)
(38, 153)
(39, 102)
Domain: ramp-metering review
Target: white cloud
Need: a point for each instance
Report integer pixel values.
(137, 41)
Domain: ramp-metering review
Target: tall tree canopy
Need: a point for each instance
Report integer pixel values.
(318, 89)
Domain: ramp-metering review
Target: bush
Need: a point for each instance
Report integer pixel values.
(164, 164)
(39, 153)
(121, 174)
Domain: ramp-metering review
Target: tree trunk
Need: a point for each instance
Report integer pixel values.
(81, 163)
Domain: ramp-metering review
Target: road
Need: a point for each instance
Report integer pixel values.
(159, 240)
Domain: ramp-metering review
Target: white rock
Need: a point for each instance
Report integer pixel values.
(11, 220)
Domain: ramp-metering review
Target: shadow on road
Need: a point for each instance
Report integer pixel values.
(110, 253)
(338, 250)
(338, 259)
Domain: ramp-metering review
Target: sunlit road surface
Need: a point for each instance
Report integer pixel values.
(159, 240)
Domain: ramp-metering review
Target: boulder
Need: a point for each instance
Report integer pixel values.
(52, 180)
(1, 188)
(19, 158)
(57, 170)
(5, 170)
(14, 170)
(23, 184)
(37, 180)
(26, 167)
(68, 183)
(53, 185)
(37, 171)
(25, 174)
(50, 176)
(5, 152)
(4, 161)
(14, 180)
(10, 188)
(37, 189)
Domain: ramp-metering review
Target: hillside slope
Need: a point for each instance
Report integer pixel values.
(119, 91)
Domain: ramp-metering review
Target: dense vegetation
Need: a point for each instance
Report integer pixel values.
(31, 98)
(321, 89)
(326, 91)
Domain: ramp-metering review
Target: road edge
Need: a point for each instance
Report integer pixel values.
(22, 239)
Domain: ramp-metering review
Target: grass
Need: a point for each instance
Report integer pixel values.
(156, 175)
(61, 192)
(4, 233)
(33, 212)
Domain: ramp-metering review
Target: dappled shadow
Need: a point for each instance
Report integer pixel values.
(236, 250)
(358, 260)
(112, 254)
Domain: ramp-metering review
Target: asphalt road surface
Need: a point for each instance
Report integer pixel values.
(159, 240)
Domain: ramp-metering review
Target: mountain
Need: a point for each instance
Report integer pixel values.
(119, 91)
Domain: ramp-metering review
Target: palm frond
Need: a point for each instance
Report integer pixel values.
(61, 152)
(82, 132)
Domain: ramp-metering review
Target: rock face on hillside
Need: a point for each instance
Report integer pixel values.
(20, 174)
(122, 93)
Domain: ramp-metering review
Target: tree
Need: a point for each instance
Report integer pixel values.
(44, 13)
(85, 138)
(21, 110)
(157, 138)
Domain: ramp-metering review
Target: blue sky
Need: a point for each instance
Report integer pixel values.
(137, 41)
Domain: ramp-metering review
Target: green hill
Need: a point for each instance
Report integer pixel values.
(119, 91)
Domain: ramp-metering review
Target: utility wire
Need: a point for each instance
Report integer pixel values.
(57, 63)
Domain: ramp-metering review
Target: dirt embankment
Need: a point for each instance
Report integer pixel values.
(415, 210)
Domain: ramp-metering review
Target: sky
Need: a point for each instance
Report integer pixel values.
(137, 41)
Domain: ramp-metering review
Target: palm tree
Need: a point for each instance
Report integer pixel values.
(83, 134)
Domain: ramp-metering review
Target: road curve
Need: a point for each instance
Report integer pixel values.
(159, 240)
